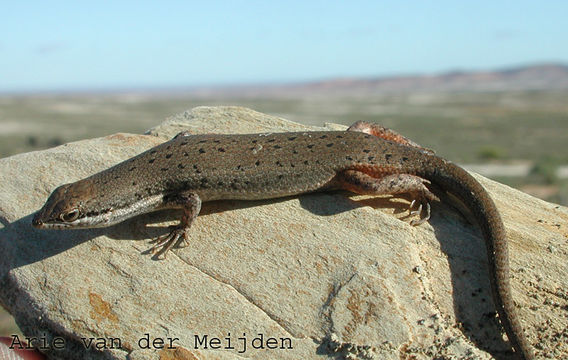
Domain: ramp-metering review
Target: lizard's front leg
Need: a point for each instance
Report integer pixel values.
(190, 203)
(394, 184)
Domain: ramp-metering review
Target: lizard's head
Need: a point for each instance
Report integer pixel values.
(66, 207)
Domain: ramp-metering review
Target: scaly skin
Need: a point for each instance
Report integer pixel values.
(190, 169)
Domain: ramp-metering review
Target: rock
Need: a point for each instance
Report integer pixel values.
(313, 276)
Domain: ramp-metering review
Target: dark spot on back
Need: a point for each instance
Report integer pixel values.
(371, 158)
(134, 183)
(294, 151)
(132, 168)
(323, 136)
(153, 151)
(271, 140)
(168, 156)
(201, 151)
(404, 158)
(349, 158)
(151, 160)
(221, 150)
(388, 156)
(184, 143)
(277, 147)
(254, 141)
(339, 136)
(257, 162)
(202, 142)
(280, 177)
(217, 141)
(220, 183)
(185, 154)
(292, 138)
(329, 145)
(164, 169)
(305, 162)
(181, 166)
(310, 146)
(366, 151)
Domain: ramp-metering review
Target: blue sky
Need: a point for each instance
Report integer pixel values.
(65, 45)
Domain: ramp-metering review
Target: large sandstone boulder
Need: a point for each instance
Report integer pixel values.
(326, 275)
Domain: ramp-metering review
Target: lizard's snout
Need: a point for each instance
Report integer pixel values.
(36, 221)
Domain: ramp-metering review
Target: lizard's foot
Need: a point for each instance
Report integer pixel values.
(178, 235)
(422, 198)
(394, 184)
(422, 211)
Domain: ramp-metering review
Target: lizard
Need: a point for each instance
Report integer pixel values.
(367, 158)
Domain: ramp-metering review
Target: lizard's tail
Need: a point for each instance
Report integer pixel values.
(460, 183)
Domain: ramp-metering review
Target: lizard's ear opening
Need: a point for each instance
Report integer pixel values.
(70, 216)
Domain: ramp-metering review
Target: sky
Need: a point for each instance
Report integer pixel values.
(104, 45)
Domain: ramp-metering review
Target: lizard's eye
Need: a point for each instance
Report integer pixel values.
(70, 215)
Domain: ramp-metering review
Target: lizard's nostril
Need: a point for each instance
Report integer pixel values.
(37, 222)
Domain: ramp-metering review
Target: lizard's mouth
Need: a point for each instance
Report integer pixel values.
(39, 224)
(39, 221)
(55, 226)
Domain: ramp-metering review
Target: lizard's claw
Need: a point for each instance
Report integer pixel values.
(423, 212)
(422, 198)
(178, 235)
(414, 212)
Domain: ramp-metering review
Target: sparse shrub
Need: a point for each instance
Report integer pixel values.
(544, 170)
(490, 153)
(54, 142)
(32, 141)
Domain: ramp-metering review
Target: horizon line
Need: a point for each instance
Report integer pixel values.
(186, 88)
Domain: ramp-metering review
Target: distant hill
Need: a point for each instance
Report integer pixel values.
(535, 77)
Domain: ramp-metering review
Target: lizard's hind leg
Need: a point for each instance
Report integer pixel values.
(385, 133)
(394, 184)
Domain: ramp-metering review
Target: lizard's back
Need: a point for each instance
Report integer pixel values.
(251, 166)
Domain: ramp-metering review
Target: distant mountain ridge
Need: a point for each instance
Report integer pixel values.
(524, 78)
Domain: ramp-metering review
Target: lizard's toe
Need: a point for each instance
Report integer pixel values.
(165, 242)
(423, 210)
